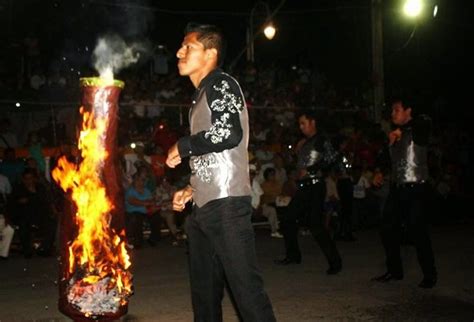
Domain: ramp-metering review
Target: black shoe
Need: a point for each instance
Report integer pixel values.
(287, 261)
(428, 282)
(387, 277)
(334, 269)
(349, 238)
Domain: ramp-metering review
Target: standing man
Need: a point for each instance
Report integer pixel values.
(316, 156)
(409, 194)
(220, 234)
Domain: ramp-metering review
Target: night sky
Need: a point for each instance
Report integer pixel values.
(333, 37)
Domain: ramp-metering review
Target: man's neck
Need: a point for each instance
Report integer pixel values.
(199, 76)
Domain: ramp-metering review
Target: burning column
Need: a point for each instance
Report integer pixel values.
(95, 282)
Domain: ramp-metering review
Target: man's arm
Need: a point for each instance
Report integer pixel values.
(225, 102)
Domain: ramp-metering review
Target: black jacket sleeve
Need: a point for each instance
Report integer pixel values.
(225, 101)
(422, 126)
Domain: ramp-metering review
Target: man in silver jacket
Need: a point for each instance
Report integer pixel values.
(220, 234)
(408, 198)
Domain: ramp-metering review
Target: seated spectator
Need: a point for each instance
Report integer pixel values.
(8, 139)
(164, 196)
(140, 206)
(6, 231)
(11, 167)
(6, 236)
(164, 136)
(35, 150)
(31, 210)
(134, 160)
(271, 188)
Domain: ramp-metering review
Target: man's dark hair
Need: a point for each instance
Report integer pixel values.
(404, 100)
(309, 114)
(210, 36)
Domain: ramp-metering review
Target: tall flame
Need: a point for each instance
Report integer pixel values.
(97, 250)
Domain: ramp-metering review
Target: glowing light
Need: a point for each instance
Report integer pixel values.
(17, 104)
(412, 8)
(133, 145)
(269, 31)
(435, 11)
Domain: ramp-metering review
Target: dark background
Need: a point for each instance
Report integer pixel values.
(331, 37)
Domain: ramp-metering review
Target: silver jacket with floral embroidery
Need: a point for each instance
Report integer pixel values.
(224, 171)
(409, 159)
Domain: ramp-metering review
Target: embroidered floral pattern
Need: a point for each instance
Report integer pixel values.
(201, 166)
(229, 100)
(220, 130)
(227, 103)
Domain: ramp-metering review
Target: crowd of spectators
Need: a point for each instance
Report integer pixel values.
(153, 115)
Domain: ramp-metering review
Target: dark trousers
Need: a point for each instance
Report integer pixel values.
(407, 205)
(308, 199)
(222, 249)
(345, 189)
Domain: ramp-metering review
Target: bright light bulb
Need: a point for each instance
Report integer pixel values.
(133, 145)
(17, 104)
(269, 31)
(412, 8)
(435, 11)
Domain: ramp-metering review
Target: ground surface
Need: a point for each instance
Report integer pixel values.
(299, 293)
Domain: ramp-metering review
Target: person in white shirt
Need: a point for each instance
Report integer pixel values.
(6, 231)
(360, 185)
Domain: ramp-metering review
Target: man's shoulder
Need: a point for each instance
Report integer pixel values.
(222, 81)
(223, 93)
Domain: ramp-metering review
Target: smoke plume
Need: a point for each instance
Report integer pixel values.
(112, 54)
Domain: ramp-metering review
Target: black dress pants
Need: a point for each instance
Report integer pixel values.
(222, 249)
(345, 190)
(309, 199)
(407, 204)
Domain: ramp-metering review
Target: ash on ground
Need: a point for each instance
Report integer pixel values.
(98, 298)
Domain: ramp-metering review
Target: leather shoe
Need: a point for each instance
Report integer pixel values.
(333, 270)
(387, 277)
(287, 261)
(428, 282)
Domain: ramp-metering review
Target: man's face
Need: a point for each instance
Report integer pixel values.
(400, 115)
(307, 126)
(191, 56)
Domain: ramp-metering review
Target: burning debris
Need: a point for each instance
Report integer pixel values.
(97, 298)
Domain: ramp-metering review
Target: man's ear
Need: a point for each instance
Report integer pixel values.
(211, 53)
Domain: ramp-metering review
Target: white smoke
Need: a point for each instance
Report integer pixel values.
(112, 54)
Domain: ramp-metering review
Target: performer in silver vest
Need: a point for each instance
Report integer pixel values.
(316, 156)
(220, 233)
(408, 198)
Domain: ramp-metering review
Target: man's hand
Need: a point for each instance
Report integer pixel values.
(394, 136)
(173, 158)
(181, 197)
(378, 179)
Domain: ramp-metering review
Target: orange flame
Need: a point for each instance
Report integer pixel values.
(97, 249)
